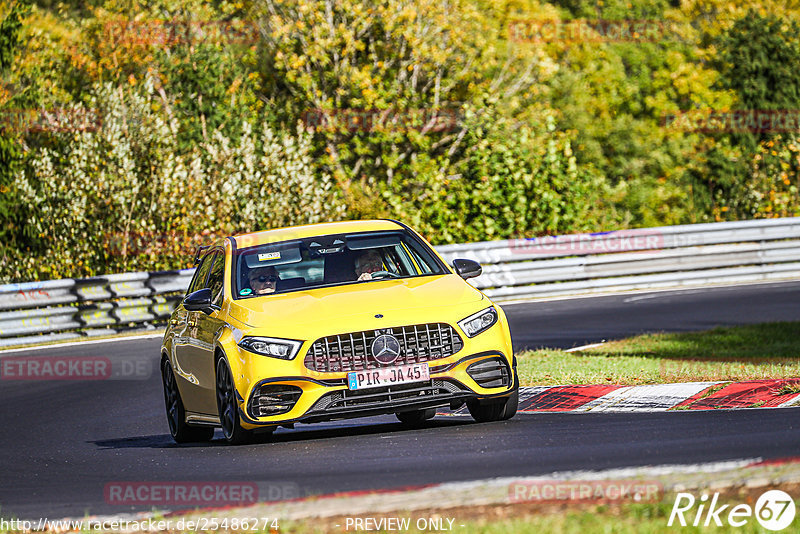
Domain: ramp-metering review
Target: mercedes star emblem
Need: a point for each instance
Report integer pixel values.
(385, 349)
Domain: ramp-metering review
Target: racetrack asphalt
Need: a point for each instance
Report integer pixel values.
(66, 441)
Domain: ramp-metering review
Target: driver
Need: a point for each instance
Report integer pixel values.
(367, 263)
(263, 280)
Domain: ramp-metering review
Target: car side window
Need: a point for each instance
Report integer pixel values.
(424, 266)
(201, 274)
(216, 277)
(392, 262)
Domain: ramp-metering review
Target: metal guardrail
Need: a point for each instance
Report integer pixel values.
(650, 258)
(35, 312)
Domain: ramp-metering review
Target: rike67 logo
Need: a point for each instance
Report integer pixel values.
(774, 510)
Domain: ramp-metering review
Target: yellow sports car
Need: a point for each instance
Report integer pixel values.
(331, 321)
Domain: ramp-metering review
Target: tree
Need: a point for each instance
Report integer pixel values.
(10, 153)
(757, 59)
(405, 97)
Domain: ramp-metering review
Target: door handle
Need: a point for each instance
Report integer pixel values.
(173, 322)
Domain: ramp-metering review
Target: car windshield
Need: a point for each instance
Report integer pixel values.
(331, 260)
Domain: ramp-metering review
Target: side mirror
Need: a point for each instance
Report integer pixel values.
(200, 300)
(467, 268)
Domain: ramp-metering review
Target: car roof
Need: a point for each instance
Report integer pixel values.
(312, 230)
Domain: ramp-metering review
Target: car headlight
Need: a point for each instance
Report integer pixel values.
(478, 322)
(283, 349)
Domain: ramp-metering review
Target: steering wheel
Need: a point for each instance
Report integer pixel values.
(381, 274)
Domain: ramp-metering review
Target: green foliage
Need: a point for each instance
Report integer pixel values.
(757, 60)
(487, 173)
(202, 57)
(403, 60)
(9, 34)
(614, 9)
(616, 94)
(124, 196)
(519, 179)
(773, 184)
(10, 152)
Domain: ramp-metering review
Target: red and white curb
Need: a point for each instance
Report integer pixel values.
(783, 393)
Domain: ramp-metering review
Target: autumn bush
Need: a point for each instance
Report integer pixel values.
(123, 196)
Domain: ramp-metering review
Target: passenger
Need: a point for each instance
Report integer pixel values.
(263, 280)
(367, 263)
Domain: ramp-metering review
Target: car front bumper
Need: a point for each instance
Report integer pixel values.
(451, 384)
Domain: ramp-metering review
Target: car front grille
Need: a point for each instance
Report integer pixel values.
(352, 352)
(387, 396)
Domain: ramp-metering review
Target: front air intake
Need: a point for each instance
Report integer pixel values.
(490, 373)
(273, 399)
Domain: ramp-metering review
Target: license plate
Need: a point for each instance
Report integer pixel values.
(388, 376)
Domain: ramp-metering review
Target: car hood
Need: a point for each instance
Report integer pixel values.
(354, 307)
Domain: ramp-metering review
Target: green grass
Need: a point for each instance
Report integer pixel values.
(770, 350)
(789, 389)
(569, 517)
(630, 518)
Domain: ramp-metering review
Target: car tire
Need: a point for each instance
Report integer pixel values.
(176, 413)
(416, 417)
(494, 410)
(228, 407)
